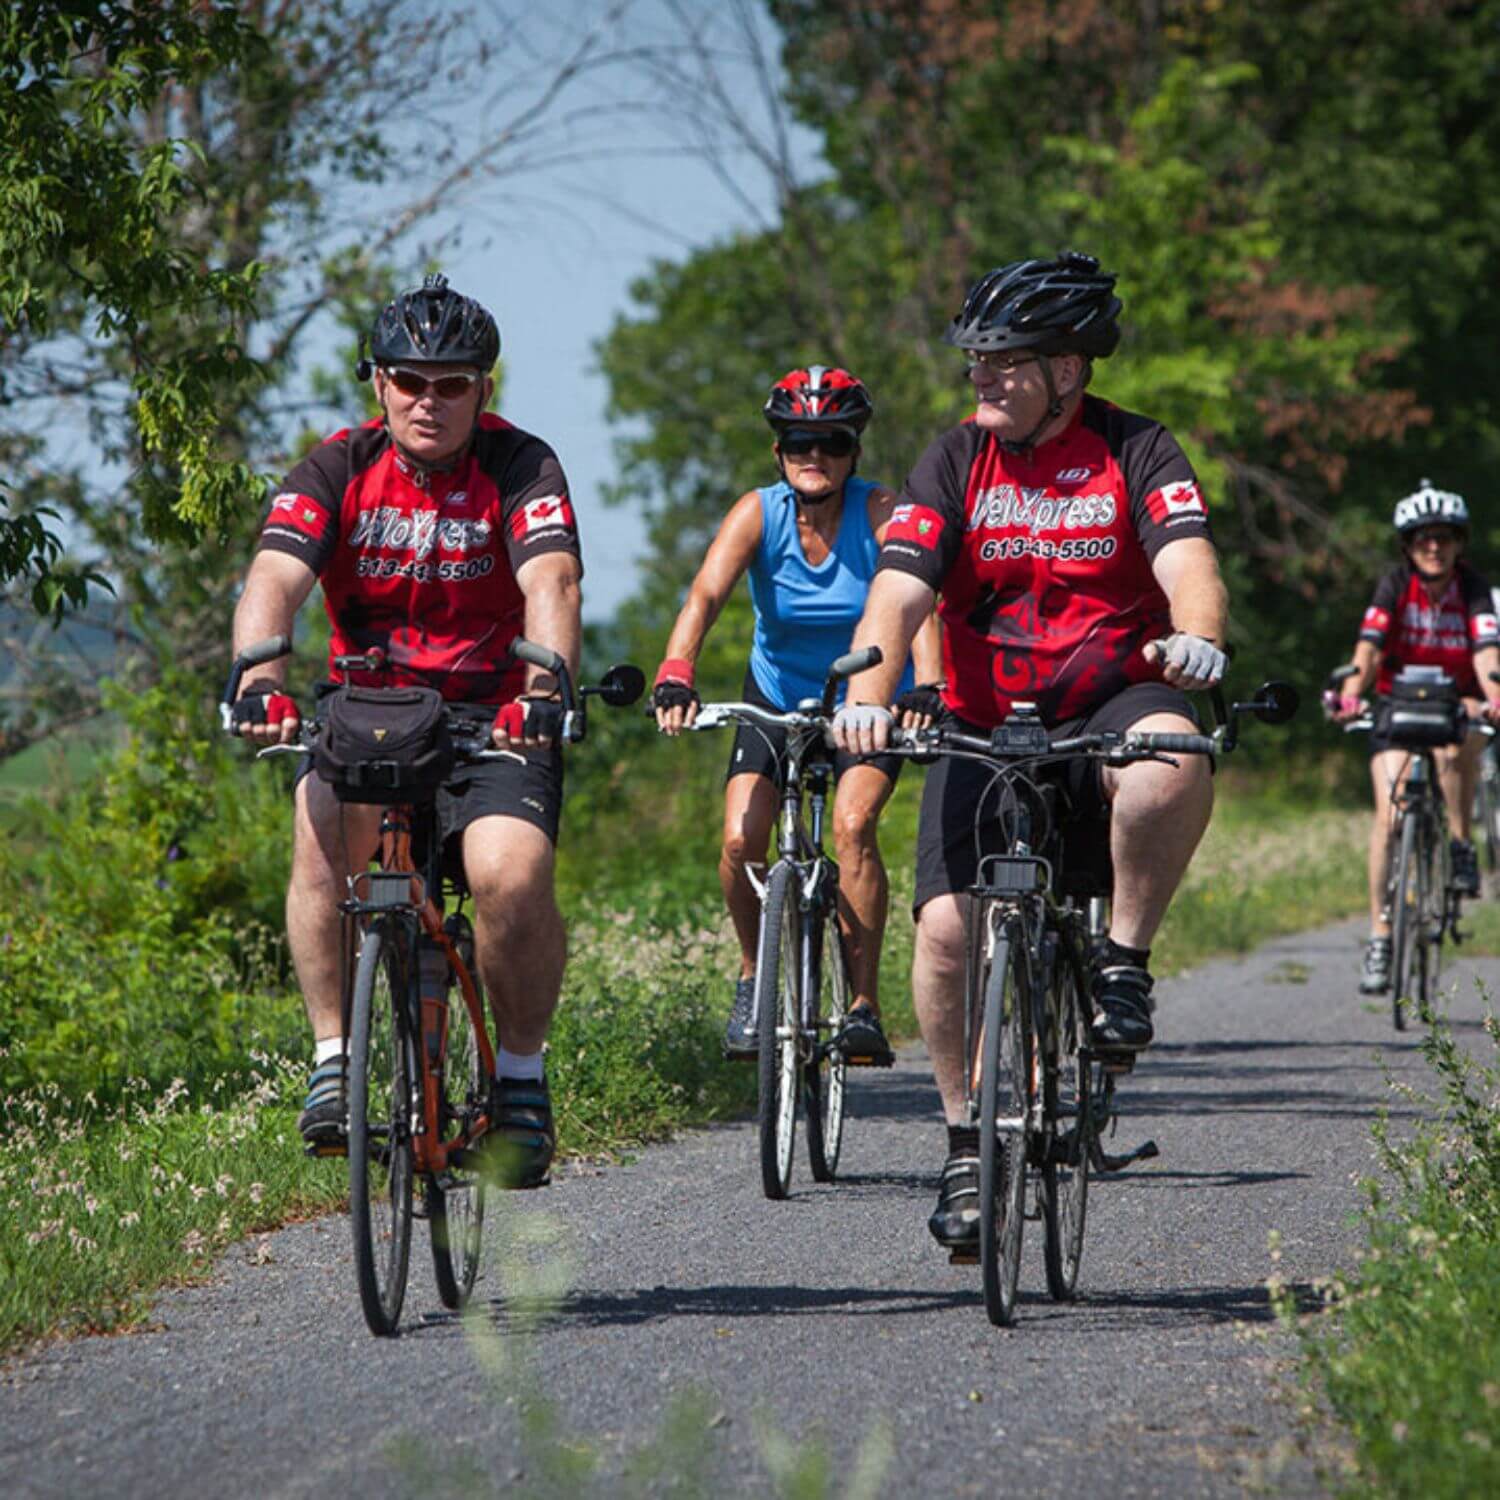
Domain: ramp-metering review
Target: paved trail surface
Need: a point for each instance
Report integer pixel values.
(832, 1309)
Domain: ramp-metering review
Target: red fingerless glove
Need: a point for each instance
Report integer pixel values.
(675, 669)
(263, 704)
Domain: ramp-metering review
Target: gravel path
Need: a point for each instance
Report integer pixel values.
(830, 1313)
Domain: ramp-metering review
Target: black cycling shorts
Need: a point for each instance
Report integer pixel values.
(759, 751)
(950, 845)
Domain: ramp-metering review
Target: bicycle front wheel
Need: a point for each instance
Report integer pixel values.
(455, 1197)
(1068, 1120)
(778, 1010)
(823, 1079)
(1406, 922)
(380, 1091)
(1438, 906)
(1004, 1068)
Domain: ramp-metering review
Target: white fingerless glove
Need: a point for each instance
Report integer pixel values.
(1200, 663)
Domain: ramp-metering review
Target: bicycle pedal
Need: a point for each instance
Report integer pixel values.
(868, 1060)
(320, 1149)
(1117, 1062)
(963, 1257)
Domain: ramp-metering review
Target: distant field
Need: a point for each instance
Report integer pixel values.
(53, 764)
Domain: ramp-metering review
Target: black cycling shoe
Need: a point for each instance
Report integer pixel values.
(954, 1223)
(324, 1121)
(862, 1040)
(1465, 867)
(518, 1146)
(1122, 1008)
(741, 1037)
(1375, 974)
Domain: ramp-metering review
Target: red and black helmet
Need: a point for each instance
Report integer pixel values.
(819, 396)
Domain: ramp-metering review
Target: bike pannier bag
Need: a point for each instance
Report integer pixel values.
(383, 745)
(1423, 710)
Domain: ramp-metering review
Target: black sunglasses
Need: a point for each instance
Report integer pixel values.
(837, 443)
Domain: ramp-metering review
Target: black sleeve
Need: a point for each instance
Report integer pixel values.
(537, 514)
(303, 518)
(926, 528)
(1479, 603)
(1166, 500)
(1376, 625)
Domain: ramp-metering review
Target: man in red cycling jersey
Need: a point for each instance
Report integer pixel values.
(439, 533)
(1431, 610)
(1063, 537)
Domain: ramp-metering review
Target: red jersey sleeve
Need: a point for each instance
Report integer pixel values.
(303, 517)
(926, 528)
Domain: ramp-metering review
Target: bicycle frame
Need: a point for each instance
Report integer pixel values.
(397, 886)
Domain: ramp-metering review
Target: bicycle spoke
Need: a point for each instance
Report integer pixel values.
(827, 1003)
(1067, 1128)
(777, 1007)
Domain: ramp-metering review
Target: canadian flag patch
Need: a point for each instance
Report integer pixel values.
(299, 512)
(915, 523)
(546, 513)
(1176, 500)
(1482, 627)
(1377, 621)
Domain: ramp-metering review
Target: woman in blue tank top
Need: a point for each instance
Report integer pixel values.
(809, 544)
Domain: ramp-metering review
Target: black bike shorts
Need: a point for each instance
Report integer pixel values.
(759, 751)
(954, 832)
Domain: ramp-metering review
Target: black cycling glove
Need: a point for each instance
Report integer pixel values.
(924, 699)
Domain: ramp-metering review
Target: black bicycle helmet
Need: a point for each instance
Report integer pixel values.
(1062, 306)
(436, 325)
(819, 396)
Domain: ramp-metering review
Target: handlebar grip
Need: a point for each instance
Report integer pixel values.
(852, 662)
(266, 650)
(538, 656)
(1184, 744)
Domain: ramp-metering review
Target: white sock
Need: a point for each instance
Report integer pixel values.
(526, 1065)
(329, 1048)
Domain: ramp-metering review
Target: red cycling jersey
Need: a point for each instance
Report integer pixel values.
(423, 563)
(1043, 560)
(1410, 630)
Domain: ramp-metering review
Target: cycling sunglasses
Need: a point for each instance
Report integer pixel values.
(838, 442)
(413, 383)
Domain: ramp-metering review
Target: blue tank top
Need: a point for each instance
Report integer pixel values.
(805, 616)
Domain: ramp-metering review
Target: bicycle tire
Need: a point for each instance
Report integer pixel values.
(1487, 808)
(456, 1198)
(1405, 916)
(1439, 906)
(823, 1079)
(1003, 1078)
(380, 1156)
(777, 1009)
(1067, 1123)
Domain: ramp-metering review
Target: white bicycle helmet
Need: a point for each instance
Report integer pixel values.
(1427, 506)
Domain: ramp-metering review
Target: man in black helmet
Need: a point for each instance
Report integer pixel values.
(439, 533)
(1068, 545)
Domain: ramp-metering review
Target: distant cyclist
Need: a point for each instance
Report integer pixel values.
(1432, 609)
(809, 543)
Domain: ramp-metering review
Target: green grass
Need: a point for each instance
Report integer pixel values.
(1407, 1356)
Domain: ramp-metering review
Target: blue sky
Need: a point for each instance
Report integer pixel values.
(554, 254)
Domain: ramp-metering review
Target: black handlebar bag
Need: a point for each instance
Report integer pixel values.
(1423, 710)
(383, 745)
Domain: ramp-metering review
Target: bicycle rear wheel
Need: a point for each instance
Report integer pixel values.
(455, 1197)
(380, 1159)
(823, 1076)
(1004, 1066)
(1406, 942)
(778, 970)
(1068, 1120)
